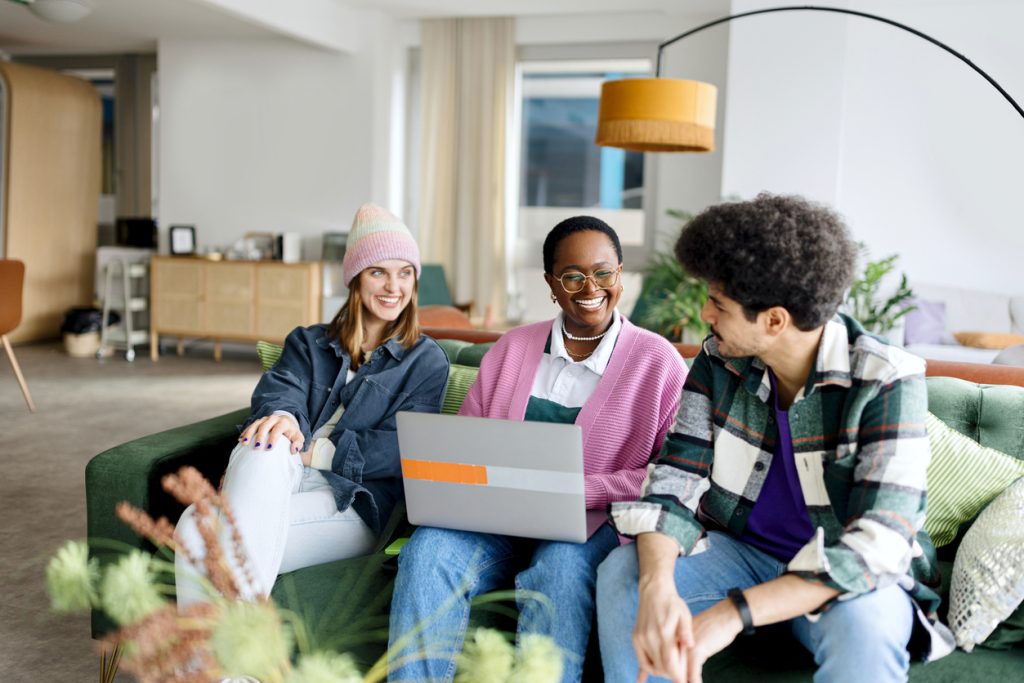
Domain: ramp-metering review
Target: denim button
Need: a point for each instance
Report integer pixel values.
(758, 466)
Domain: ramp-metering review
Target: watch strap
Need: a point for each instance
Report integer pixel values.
(738, 599)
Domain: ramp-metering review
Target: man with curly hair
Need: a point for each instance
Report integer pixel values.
(792, 486)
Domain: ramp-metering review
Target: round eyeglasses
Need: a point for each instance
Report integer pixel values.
(574, 281)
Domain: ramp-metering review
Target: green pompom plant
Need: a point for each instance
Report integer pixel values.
(227, 636)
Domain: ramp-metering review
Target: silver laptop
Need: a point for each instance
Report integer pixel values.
(495, 476)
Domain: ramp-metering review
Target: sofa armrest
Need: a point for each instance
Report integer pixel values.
(132, 472)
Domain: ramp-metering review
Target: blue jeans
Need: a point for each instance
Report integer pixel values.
(441, 570)
(863, 639)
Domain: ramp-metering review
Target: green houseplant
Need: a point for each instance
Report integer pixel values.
(864, 300)
(671, 299)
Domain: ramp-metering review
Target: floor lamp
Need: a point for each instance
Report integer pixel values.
(673, 115)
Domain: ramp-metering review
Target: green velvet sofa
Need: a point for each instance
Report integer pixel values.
(345, 604)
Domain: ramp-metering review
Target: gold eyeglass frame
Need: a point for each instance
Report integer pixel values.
(618, 275)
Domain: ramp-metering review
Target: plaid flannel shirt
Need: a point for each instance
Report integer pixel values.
(861, 450)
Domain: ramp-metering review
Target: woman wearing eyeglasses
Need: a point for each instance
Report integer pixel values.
(589, 366)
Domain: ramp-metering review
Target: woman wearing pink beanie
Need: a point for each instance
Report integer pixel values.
(316, 473)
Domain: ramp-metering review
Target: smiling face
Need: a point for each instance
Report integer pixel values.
(588, 252)
(737, 336)
(386, 288)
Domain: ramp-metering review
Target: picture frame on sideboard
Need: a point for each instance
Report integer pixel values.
(182, 240)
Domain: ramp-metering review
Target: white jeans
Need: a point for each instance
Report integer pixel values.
(287, 519)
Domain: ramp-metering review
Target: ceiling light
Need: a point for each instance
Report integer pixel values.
(61, 11)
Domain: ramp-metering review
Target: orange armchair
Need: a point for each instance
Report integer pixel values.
(12, 279)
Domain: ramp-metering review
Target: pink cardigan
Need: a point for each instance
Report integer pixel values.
(624, 421)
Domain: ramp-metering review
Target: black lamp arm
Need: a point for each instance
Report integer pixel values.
(839, 10)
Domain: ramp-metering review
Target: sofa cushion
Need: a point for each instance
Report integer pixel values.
(989, 414)
(1011, 355)
(925, 323)
(1017, 314)
(988, 575)
(989, 340)
(969, 309)
(963, 477)
(268, 354)
(460, 379)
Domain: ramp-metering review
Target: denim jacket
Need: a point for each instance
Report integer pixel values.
(308, 381)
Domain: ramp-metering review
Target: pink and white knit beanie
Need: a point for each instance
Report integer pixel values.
(377, 235)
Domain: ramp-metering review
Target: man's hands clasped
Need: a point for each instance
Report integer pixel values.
(670, 642)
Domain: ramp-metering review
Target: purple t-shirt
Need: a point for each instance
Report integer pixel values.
(779, 523)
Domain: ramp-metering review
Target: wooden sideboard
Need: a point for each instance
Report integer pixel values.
(231, 300)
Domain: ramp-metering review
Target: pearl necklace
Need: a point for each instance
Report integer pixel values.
(570, 337)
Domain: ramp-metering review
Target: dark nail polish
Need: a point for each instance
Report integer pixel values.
(245, 440)
(270, 446)
(257, 444)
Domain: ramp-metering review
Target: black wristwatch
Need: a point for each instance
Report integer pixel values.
(736, 596)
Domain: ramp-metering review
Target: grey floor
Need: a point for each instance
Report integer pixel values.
(83, 406)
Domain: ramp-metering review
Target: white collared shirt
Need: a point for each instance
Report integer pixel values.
(567, 382)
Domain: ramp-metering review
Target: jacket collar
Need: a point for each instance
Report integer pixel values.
(832, 365)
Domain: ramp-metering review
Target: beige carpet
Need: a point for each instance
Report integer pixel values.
(83, 406)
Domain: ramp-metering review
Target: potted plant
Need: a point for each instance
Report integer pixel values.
(864, 301)
(670, 299)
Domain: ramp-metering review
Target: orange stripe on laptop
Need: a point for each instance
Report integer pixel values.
(454, 473)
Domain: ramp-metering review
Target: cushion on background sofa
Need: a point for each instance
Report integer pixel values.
(989, 340)
(925, 323)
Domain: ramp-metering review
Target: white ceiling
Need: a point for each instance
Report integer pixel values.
(476, 8)
(118, 26)
(136, 25)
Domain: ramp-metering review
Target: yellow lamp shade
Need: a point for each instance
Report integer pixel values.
(657, 115)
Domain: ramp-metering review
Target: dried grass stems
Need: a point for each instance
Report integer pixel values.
(169, 644)
(237, 630)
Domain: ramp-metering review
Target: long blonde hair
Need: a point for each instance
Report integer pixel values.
(347, 325)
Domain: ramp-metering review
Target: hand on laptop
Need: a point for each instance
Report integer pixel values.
(262, 433)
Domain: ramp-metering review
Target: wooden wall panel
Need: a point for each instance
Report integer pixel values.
(52, 177)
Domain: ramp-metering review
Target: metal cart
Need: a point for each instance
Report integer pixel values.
(124, 293)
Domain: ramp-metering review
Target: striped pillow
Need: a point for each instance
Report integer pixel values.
(963, 477)
(460, 379)
(268, 353)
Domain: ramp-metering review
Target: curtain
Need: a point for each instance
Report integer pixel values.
(468, 73)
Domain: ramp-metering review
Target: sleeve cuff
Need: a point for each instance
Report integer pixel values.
(632, 519)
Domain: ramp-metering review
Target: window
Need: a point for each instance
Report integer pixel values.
(562, 173)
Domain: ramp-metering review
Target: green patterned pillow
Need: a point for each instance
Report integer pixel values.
(460, 379)
(963, 477)
(268, 353)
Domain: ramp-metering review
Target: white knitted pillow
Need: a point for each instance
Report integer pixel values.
(988, 574)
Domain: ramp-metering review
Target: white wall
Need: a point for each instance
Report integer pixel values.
(919, 153)
(273, 135)
(932, 153)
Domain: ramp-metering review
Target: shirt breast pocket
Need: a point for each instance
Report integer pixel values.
(373, 406)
